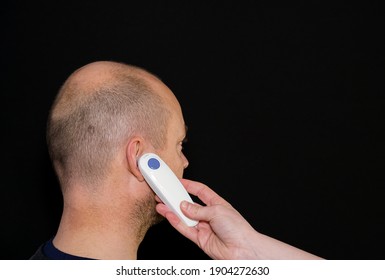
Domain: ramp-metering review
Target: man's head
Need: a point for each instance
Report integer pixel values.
(104, 118)
(98, 109)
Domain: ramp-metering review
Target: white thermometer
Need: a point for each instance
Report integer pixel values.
(165, 184)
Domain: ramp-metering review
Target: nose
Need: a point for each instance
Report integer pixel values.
(185, 162)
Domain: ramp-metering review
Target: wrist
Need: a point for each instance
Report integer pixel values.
(249, 249)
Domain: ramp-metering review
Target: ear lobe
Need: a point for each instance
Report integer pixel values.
(134, 150)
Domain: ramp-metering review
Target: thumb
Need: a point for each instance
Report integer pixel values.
(194, 211)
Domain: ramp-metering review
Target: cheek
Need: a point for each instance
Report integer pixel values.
(173, 162)
(179, 172)
(177, 166)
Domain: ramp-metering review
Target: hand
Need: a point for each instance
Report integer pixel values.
(222, 233)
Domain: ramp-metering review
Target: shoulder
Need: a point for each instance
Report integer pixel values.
(39, 254)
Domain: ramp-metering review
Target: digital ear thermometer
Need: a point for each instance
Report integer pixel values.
(165, 184)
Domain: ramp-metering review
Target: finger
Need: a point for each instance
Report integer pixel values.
(203, 192)
(157, 199)
(162, 209)
(197, 212)
(188, 232)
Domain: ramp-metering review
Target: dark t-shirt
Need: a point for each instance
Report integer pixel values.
(48, 251)
(39, 254)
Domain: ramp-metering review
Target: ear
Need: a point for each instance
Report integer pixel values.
(135, 149)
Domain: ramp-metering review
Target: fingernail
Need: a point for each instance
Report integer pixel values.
(184, 204)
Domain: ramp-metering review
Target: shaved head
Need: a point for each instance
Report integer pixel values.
(98, 108)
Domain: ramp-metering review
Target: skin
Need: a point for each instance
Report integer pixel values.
(222, 233)
(111, 220)
(105, 224)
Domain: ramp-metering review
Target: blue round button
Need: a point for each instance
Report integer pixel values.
(153, 163)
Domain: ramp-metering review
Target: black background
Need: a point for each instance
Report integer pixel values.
(284, 108)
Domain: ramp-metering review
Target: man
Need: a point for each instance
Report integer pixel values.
(104, 118)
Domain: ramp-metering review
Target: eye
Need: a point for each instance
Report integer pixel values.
(181, 144)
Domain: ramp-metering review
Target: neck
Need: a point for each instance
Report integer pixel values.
(99, 232)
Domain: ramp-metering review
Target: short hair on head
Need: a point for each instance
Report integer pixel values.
(85, 130)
